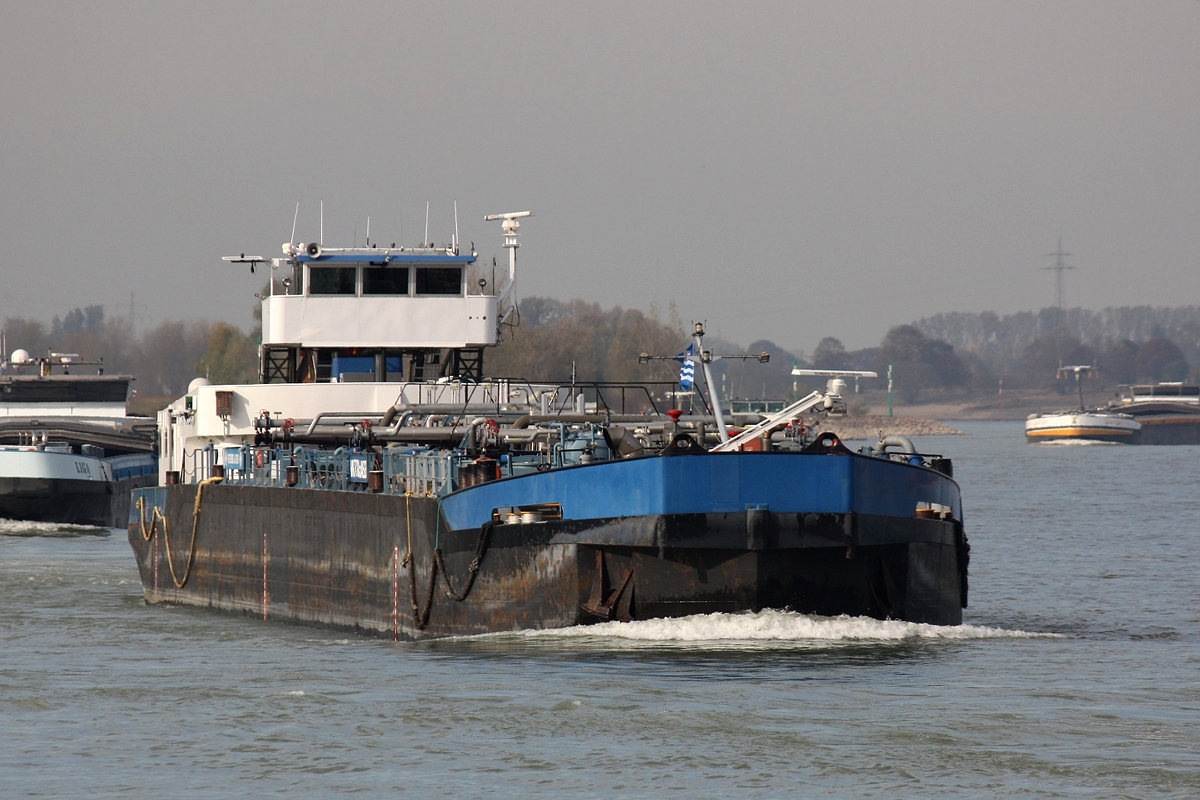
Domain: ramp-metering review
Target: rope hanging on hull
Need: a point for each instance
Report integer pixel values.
(157, 515)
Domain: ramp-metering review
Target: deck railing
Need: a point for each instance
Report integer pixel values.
(344, 470)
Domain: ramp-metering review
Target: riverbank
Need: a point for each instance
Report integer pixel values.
(1012, 405)
(874, 426)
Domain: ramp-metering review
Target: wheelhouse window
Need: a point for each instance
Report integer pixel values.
(331, 280)
(439, 280)
(385, 280)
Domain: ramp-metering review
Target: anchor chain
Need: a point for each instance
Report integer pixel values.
(421, 616)
(481, 546)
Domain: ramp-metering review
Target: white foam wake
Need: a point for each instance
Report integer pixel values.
(778, 627)
(1078, 443)
(16, 527)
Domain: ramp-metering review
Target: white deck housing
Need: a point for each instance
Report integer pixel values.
(349, 321)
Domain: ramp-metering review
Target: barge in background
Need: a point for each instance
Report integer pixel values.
(1168, 412)
(1158, 414)
(1081, 424)
(69, 451)
(377, 481)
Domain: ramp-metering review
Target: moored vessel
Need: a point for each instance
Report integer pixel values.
(377, 480)
(1168, 412)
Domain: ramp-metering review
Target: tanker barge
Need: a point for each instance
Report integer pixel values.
(376, 481)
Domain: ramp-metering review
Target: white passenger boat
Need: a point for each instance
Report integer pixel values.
(69, 451)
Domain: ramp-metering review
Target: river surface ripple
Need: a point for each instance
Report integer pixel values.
(1075, 675)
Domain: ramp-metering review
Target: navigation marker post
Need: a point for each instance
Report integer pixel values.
(889, 388)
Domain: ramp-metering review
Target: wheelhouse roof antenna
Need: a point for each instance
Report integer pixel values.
(510, 226)
(1059, 267)
(294, 218)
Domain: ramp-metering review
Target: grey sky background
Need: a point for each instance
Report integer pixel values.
(782, 170)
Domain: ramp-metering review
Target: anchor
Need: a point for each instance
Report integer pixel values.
(619, 603)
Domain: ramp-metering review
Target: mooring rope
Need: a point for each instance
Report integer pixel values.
(157, 515)
(154, 518)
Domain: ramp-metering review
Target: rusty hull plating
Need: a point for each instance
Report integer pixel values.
(385, 565)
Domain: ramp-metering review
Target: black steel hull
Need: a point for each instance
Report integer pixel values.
(1168, 430)
(1091, 436)
(69, 502)
(339, 560)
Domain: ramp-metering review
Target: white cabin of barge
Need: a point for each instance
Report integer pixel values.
(375, 314)
(349, 333)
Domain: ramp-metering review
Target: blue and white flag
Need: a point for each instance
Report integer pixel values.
(687, 373)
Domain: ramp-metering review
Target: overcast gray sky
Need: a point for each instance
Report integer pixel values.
(783, 170)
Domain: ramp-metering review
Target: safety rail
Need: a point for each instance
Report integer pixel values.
(343, 470)
(615, 396)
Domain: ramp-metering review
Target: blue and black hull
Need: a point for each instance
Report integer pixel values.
(63, 501)
(653, 537)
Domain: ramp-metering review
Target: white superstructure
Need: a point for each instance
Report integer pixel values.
(68, 450)
(351, 335)
(1174, 392)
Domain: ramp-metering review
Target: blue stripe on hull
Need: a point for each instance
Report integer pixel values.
(715, 483)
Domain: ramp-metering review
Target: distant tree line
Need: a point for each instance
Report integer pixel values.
(555, 339)
(552, 340)
(955, 353)
(1129, 344)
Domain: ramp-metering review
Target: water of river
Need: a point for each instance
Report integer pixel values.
(1077, 674)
